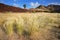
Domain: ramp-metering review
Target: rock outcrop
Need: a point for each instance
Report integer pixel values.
(49, 8)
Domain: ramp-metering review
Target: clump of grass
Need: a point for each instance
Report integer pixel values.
(8, 25)
(19, 25)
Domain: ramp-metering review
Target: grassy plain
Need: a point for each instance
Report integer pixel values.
(29, 26)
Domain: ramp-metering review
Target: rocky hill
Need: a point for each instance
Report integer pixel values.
(42, 8)
(7, 8)
(49, 8)
(54, 8)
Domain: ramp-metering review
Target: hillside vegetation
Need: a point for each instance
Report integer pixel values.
(35, 26)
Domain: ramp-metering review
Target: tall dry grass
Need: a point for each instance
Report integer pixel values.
(44, 26)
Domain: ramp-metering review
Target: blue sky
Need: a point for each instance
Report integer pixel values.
(29, 3)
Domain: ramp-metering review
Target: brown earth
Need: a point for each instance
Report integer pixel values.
(7, 8)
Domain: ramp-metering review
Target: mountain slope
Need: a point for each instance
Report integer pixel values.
(7, 8)
(54, 8)
(49, 8)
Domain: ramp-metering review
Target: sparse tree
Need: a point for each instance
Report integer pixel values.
(24, 6)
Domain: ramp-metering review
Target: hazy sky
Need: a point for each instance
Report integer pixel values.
(29, 3)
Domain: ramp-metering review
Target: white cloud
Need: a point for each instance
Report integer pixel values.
(34, 4)
(55, 3)
(16, 5)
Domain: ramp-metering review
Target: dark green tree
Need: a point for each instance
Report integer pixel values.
(24, 6)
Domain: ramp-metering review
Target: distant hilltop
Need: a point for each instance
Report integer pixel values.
(41, 8)
(49, 8)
